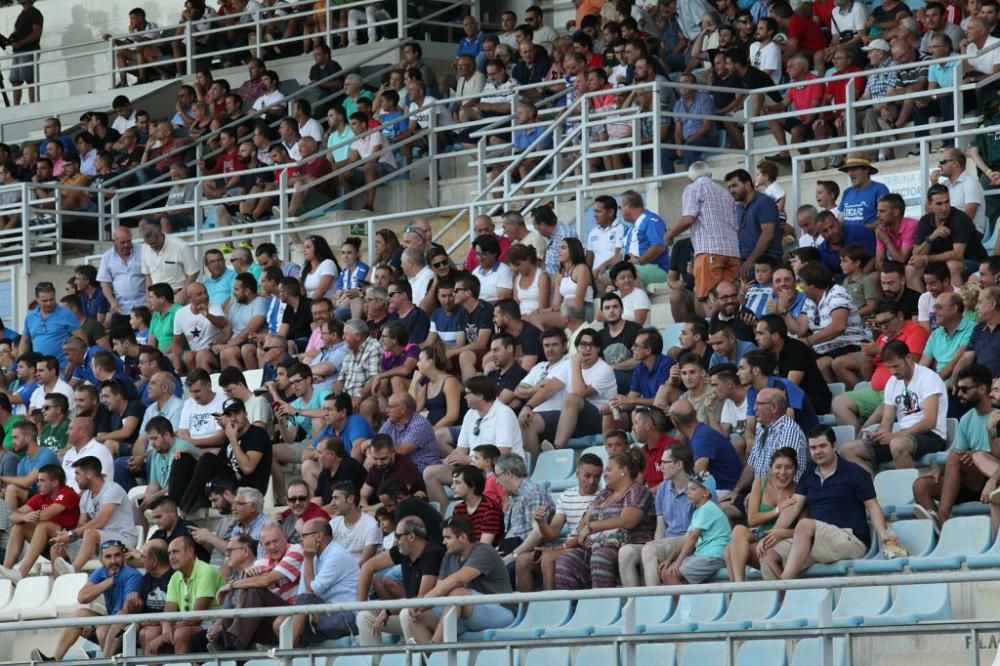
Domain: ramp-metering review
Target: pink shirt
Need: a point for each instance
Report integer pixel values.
(316, 337)
(903, 237)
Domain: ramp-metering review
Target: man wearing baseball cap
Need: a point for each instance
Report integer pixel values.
(245, 459)
(879, 83)
(859, 204)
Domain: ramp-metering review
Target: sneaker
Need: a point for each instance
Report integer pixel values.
(226, 248)
(246, 245)
(13, 575)
(927, 514)
(995, 497)
(276, 212)
(62, 567)
(38, 655)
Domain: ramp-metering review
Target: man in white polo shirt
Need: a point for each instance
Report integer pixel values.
(80, 437)
(604, 243)
(167, 259)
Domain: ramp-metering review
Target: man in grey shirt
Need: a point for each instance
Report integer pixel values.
(469, 568)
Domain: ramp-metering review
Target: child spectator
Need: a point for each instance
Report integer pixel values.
(485, 457)
(767, 183)
(139, 320)
(702, 553)
(860, 285)
(759, 293)
(387, 522)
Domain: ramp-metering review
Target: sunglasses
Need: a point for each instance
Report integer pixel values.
(440, 264)
(475, 429)
(111, 543)
(299, 498)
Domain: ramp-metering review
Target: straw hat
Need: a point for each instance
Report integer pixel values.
(857, 160)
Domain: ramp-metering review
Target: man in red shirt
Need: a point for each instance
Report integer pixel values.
(484, 225)
(835, 92)
(649, 426)
(226, 163)
(301, 512)
(56, 507)
(806, 95)
(304, 200)
(803, 34)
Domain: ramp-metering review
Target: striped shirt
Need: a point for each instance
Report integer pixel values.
(573, 505)
(715, 230)
(768, 439)
(290, 568)
(360, 366)
(486, 519)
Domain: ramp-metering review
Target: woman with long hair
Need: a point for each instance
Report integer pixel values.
(577, 287)
(769, 496)
(435, 389)
(386, 248)
(319, 269)
(532, 285)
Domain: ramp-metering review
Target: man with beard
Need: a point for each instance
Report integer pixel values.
(970, 462)
(893, 280)
(222, 495)
(617, 337)
(949, 340)
(795, 360)
(727, 309)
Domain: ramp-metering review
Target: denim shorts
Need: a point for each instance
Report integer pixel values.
(483, 617)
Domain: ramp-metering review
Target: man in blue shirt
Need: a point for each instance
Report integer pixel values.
(756, 372)
(837, 235)
(219, 281)
(836, 493)
(643, 241)
(860, 201)
(711, 449)
(329, 576)
(649, 374)
(115, 582)
(693, 131)
(757, 215)
(48, 325)
(472, 43)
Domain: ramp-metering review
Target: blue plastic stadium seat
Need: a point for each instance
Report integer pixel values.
(743, 609)
(837, 388)
(672, 335)
(441, 659)
(915, 603)
(894, 490)
(661, 654)
(692, 609)
(547, 656)
(702, 654)
(655, 610)
(399, 659)
(844, 434)
(987, 560)
(581, 442)
(759, 653)
(598, 450)
(862, 385)
(960, 537)
(595, 655)
(588, 616)
(916, 535)
(971, 509)
(538, 616)
(495, 658)
(555, 468)
(808, 652)
(801, 608)
(857, 602)
(938, 458)
(828, 420)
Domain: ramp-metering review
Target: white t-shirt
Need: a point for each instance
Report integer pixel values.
(365, 532)
(326, 267)
(499, 427)
(197, 329)
(601, 377)
(92, 448)
(501, 277)
(775, 191)
(925, 307)
(908, 399)
(735, 415)
(767, 59)
(268, 100)
(420, 283)
(371, 144)
(637, 300)
(312, 128)
(964, 191)
(421, 113)
(604, 242)
(37, 400)
(123, 519)
(983, 64)
(573, 505)
(852, 21)
(544, 370)
(198, 419)
(805, 240)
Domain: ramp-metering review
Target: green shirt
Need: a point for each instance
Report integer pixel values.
(715, 530)
(8, 431)
(942, 346)
(989, 145)
(972, 434)
(161, 327)
(205, 581)
(159, 464)
(54, 437)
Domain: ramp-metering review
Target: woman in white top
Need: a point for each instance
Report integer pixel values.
(532, 285)
(576, 286)
(635, 302)
(496, 281)
(320, 269)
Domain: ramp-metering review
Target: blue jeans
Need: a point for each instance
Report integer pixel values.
(691, 156)
(483, 617)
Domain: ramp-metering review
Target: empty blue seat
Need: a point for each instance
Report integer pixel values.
(857, 602)
(663, 654)
(496, 658)
(960, 537)
(844, 434)
(759, 653)
(916, 535)
(598, 450)
(828, 420)
(672, 335)
(588, 616)
(538, 616)
(555, 468)
(346, 660)
(743, 609)
(971, 509)
(400, 659)
(915, 603)
(654, 610)
(987, 560)
(440, 659)
(581, 442)
(692, 609)
(837, 388)
(808, 652)
(894, 490)
(801, 608)
(595, 655)
(702, 654)
(547, 656)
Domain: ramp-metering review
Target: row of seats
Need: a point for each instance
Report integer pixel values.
(894, 489)
(59, 597)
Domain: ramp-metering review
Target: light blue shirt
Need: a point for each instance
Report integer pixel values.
(336, 577)
(127, 281)
(220, 289)
(942, 74)
(48, 333)
(331, 354)
(240, 314)
(715, 530)
(305, 422)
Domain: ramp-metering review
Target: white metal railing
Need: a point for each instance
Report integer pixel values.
(627, 640)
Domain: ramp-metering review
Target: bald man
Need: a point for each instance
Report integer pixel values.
(196, 326)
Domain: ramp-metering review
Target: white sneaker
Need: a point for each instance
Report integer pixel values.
(13, 575)
(995, 496)
(62, 567)
(930, 515)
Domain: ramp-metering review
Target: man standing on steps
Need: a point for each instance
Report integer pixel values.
(25, 43)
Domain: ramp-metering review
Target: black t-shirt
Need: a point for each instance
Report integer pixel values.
(23, 25)
(755, 78)
(375, 328)
(134, 409)
(618, 348)
(528, 343)
(414, 506)
(153, 591)
(181, 529)
(481, 318)
(254, 439)
(797, 357)
(723, 99)
(743, 332)
(509, 379)
(681, 254)
(317, 73)
(908, 303)
(299, 320)
(417, 323)
(962, 231)
(428, 564)
(882, 15)
(402, 469)
(350, 470)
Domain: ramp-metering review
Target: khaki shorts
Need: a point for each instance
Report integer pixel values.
(710, 270)
(830, 544)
